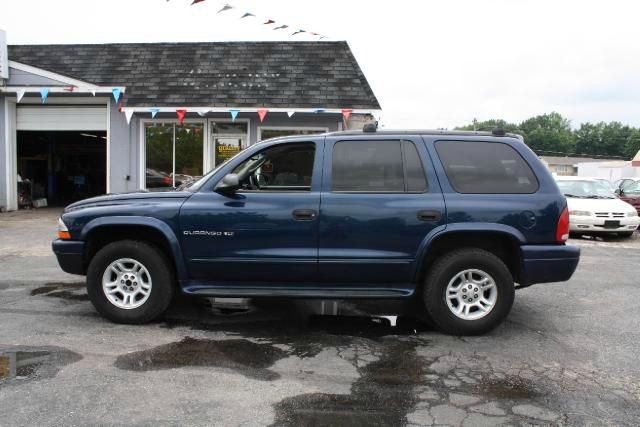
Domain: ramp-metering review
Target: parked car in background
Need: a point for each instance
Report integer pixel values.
(631, 194)
(621, 184)
(595, 209)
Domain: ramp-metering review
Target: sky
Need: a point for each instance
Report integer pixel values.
(431, 63)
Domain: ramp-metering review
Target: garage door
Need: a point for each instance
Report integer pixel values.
(92, 117)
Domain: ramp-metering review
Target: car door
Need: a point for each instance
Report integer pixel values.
(380, 199)
(267, 231)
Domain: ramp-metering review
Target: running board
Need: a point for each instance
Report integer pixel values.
(217, 290)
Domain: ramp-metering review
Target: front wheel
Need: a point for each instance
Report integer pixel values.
(468, 292)
(130, 282)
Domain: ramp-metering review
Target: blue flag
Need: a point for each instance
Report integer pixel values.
(234, 114)
(44, 92)
(116, 94)
(154, 111)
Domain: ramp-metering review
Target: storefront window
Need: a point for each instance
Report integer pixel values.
(174, 154)
(275, 133)
(228, 139)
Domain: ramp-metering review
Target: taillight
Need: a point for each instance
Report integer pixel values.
(562, 231)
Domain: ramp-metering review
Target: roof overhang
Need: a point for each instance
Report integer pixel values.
(204, 110)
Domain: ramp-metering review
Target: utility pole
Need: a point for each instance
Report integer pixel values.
(475, 124)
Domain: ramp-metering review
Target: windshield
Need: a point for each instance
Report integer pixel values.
(583, 189)
(195, 185)
(632, 188)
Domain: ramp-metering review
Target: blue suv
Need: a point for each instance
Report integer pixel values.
(454, 221)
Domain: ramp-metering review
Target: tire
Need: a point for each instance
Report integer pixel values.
(452, 271)
(131, 305)
(626, 235)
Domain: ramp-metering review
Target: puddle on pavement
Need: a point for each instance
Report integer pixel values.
(510, 387)
(27, 363)
(66, 291)
(242, 356)
(383, 395)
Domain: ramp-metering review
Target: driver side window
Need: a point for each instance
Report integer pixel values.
(287, 167)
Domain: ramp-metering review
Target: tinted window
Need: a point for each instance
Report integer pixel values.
(377, 166)
(415, 179)
(485, 167)
(287, 167)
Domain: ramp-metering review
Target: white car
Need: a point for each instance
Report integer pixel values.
(594, 208)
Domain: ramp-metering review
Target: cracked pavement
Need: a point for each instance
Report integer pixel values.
(567, 355)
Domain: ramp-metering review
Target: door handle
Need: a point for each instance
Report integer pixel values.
(429, 215)
(304, 214)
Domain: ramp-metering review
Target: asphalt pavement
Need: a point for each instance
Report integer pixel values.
(567, 354)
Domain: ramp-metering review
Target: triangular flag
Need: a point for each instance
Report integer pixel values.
(246, 15)
(120, 106)
(154, 111)
(195, 2)
(225, 7)
(290, 113)
(93, 92)
(269, 22)
(116, 93)
(298, 32)
(181, 114)
(262, 113)
(346, 112)
(234, 114)
(188, 131)
(70, 88)
(128, 114)
(19, 94)
(202, 113)
(319, 110)
(44, 92)
(281, 27)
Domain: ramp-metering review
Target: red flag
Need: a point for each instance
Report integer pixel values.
(70, 88)
(262, 113)
(120, 106)
(181, 114)
(196, 1)
(346, 112)
(269, 22)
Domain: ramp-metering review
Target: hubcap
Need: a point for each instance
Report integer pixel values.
(471, 294)
(126, 283)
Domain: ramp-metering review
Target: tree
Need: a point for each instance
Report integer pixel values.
(632, 145)
(488, 125)
(549, 132)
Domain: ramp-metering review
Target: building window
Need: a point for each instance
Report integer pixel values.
(228, 139)
(275, 132)
(174, 154)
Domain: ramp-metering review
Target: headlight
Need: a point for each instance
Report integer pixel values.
(632, 213)
(63, 231)
(580, 213)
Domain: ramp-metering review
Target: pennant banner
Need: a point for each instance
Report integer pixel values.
(116, 93)
(154, 111)
(234, 114)
(298, 32)
(128, 114)
(290, 113)
(19, 94)
(262, 113)
(195, 2)
(346, 113)
(318, 110)
(225, 8)
(281, 27)
(44, 92)
(181, 114)
(246, 15)
(93, 92)
(269, 22)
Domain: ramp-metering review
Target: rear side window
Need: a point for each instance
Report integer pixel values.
(485, 168)
(377, 167)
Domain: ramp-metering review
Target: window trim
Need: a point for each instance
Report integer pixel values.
(533, 173)
(404, 168)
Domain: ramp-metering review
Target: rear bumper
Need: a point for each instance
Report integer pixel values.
(70, 255)
(547, 263)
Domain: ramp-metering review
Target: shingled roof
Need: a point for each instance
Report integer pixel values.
(226, 74)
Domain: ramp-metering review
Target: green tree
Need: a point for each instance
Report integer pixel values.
(549, 132)
(589, 138)
(632, 145)
(488, 125)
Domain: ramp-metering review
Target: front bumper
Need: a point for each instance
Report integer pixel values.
(597, 225)
(70, 255)
(547, 263)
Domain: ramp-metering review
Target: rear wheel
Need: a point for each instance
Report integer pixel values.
(130, 282)
(468, 292)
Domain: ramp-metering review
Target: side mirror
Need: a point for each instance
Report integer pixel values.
(229, 184)
(619, 191)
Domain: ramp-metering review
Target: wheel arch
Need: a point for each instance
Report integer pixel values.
(499, 239)
(101, 231)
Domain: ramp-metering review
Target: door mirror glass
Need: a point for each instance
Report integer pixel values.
(229, 184)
